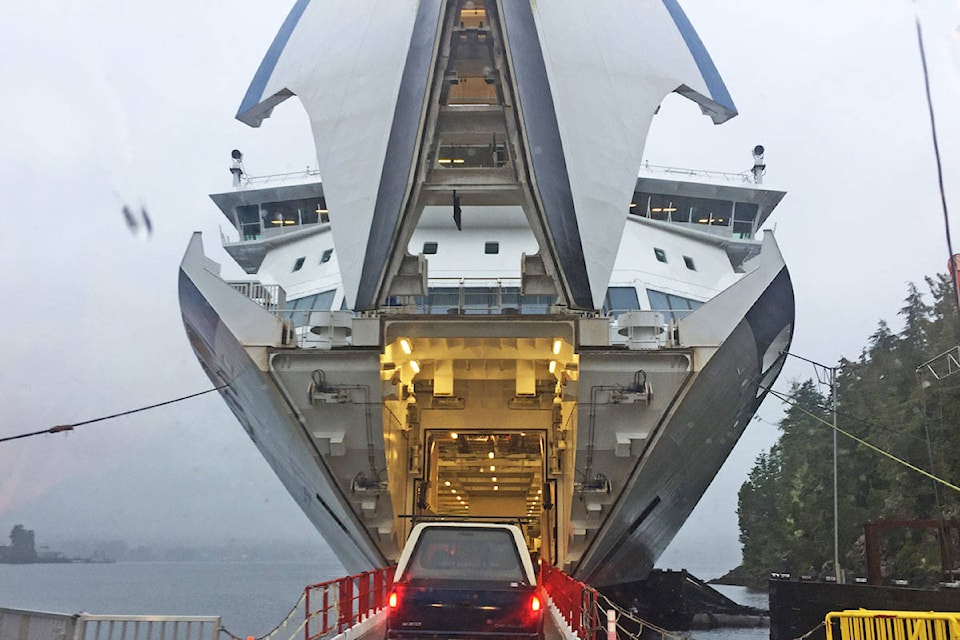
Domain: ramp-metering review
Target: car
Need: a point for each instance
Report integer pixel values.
(465, 580)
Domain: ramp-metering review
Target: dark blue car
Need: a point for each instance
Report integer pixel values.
(465, 580)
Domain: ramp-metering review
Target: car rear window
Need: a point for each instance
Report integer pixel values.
(459, 553)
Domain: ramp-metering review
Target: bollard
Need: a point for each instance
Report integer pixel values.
(611, 624)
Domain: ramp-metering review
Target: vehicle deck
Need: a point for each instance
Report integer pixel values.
(551, 630)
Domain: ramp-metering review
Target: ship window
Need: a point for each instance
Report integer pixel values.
(472, 156)
(744, 217)
(248, 219)
(429, 248)
(301, 307)
(687, 260)
(326, 256)
(674, 208)
(491, 247)
(298, 264)
(672, 306)
(482, 301)
(620, 299)
(661, 255)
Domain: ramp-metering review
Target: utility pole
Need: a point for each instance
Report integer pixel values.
(828, 375)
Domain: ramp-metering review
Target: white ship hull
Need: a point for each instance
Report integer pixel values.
(572, 347)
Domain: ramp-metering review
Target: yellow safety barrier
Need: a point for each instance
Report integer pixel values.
(861, 624)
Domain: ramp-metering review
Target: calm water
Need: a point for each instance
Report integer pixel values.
(251, 597)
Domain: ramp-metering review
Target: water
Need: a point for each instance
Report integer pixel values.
(743, 596)
(250, 597)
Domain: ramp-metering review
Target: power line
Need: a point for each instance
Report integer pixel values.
(70, 427)
(788, 400)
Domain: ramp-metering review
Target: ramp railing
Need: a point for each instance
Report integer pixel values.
(575, 602)
(590, 615)
(862, 624)
(333, 607)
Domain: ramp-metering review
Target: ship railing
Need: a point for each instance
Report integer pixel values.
(734, 178)
(271, 297)
(334, 606)
(256, 181)
(472, 296)
(589, 615)
(862, 624)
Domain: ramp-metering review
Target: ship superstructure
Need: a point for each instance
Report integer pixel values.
(481, 309)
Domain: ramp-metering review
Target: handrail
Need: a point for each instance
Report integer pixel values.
(345, 602)
(575, 601)
(863, 624)
(591, 615)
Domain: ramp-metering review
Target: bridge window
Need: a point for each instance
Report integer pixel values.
(687, 260)
(491, 247)
(744, 218)
(661, 254)
(672, 306)
(326, 256)
(429, 248)
(301, 307)
(673, 208)
(248, 219)
(298, 264)
(620, 299)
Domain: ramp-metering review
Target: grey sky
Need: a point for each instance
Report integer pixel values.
(109, 101)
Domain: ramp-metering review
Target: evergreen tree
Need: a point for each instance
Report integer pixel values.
(887, 399)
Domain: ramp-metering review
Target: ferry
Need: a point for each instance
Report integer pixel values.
(483, 304)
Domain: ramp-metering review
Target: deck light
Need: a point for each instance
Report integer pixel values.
(405, 345)
(492, 468)
(553, 366)
(454, 435)
(496, 488)
(556, 346)
(490, 455)
(494, 478)
(393, 600)
(415, 366)
(447, 483)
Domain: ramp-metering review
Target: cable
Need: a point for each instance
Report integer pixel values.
(70, 427)
(936, 153)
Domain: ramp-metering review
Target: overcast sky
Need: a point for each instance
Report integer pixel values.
(109, 101)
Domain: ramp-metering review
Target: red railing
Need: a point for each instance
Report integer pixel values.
(576, 602)
(337, 605)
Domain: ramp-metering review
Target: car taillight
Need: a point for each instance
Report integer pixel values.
(535, 604)
(392, 600)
